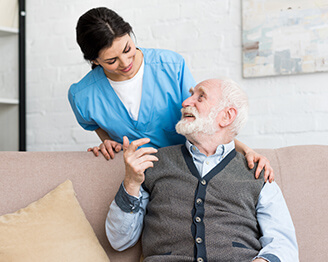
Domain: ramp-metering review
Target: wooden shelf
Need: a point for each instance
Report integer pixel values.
(5, 31)
(9, 101)
(12, 101)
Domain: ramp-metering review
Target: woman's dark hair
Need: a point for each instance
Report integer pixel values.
(97, 29)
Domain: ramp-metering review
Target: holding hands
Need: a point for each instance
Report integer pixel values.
(136, 162)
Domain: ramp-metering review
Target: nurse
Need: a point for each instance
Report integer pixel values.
(132, 91)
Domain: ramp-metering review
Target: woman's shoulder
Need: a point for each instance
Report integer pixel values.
(152, 55)
(87, 81)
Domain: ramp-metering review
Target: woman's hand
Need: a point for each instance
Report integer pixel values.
(108, 148)
(263, 163)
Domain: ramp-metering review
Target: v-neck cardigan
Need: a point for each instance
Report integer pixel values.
(194, 218)
(166, 84)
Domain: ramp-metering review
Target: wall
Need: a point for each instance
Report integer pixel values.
(285, 110)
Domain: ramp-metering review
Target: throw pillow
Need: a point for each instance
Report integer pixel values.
(54, 228)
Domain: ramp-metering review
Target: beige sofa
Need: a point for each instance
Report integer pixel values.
(301, 172)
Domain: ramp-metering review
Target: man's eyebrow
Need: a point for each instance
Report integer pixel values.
(191, 90)
(202, 90)
(122, 52)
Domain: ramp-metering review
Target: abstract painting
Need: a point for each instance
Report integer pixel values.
(283, 37)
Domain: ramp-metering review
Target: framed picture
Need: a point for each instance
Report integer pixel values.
(283, 37)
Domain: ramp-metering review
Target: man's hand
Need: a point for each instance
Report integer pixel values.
(259, 260)
(253, 157)
(108, 148)
(136, 162)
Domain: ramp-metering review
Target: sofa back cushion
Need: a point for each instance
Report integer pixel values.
(301, 174)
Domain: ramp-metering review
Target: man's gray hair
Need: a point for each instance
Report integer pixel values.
(233, 95)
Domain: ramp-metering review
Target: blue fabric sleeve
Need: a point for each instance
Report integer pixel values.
(187, 81)
(87, 125)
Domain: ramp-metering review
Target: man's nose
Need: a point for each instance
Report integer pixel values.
(188, 102)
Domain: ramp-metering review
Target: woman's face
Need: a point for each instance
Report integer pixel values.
(121, 61)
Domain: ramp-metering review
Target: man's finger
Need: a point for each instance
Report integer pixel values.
(147, 158)
(137, 143)
(145, 151)
(126, 143)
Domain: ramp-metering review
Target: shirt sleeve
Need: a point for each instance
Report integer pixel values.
(124, 220)
(83, 122)
(278, 233)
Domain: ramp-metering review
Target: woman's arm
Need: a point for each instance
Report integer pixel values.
(108, 147)
(252, 157)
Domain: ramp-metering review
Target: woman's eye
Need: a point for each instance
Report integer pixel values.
(111, 62)
(127, 50)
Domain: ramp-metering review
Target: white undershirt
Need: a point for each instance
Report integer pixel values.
(129, 91)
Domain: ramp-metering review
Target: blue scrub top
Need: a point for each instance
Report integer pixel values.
(166, 84)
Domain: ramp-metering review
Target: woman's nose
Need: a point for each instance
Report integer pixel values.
(124, 62)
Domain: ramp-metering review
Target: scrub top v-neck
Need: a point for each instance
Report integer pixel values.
(166, 84)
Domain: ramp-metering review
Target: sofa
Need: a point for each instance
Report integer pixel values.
(300, 172)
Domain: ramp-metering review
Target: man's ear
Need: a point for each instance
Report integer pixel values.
(229, 115)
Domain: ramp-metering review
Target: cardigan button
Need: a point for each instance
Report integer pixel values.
(199, 240)
(199, 201)
(200, 259)
(203, 182)
(198, 219)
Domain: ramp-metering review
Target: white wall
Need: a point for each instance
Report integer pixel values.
(285, 110)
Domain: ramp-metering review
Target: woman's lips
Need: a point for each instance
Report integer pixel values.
(127, 69)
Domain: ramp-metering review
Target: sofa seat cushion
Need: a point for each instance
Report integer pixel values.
(53, 228)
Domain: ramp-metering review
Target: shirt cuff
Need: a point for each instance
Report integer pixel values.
(126, 202)
(269, 257)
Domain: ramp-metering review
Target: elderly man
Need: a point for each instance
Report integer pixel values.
(200, 201)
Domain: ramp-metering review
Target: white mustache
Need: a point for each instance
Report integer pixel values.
(189, 110)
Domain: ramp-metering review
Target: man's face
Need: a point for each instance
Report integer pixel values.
(200, 110)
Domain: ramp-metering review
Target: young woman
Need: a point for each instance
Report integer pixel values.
(132, 91)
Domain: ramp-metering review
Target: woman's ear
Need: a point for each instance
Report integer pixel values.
(229, 115)
(95, 62)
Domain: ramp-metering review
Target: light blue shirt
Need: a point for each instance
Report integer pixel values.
(166, 84)
(278, 234)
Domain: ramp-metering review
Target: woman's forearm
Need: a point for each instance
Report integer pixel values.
(242, 148)
(103, 134)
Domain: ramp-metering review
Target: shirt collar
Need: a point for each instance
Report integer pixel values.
(221, 150)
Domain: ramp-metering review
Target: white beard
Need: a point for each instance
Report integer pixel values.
(206, 125)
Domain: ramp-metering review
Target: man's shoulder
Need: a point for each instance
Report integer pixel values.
(242, 165)
(170, 150)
